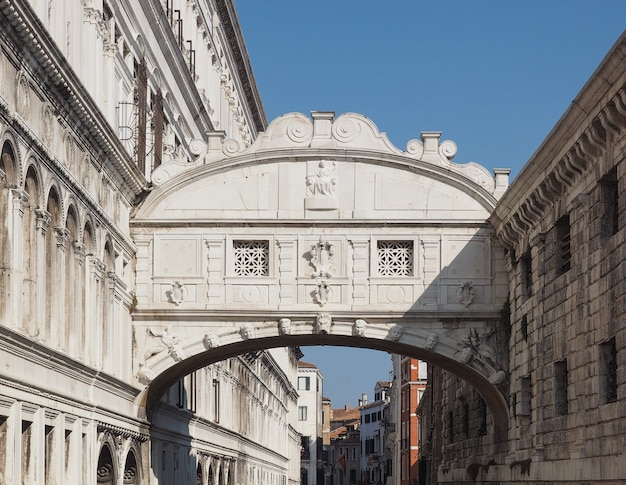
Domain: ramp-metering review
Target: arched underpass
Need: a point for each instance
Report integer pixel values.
(435, 345)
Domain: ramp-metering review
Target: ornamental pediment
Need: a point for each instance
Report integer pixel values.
(352, 135)
(323, 168)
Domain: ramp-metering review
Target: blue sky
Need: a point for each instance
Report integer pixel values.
(493, 76)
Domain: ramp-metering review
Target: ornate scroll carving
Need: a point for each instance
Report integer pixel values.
(322, 259)
(169, 342)
(177, 293)
(465, 294)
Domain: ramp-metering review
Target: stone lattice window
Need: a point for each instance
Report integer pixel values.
(395, 258)
(251, 258)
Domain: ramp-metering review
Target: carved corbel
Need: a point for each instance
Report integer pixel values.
(608, 120)
(323, 323)
(210, 341)
(396, 332)
(247, 331)
(597, 135)
(284, 326)
(358, 328)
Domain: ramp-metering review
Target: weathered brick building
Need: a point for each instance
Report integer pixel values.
(562, 224)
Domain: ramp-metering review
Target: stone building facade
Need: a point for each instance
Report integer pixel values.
(562, 224)
(94, 97)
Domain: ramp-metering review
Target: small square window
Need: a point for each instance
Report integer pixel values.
(395, 258)
(251, 258)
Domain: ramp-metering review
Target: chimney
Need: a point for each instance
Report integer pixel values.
(346, 407)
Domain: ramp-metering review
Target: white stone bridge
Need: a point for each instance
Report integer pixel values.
(321, 233)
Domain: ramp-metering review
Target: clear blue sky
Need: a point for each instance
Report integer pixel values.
(493, 76)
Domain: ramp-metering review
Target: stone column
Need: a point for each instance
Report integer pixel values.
(286, 276)
(58, 311)
(109, 325)
(43, 221)
(360, 270)
(19, 199)
(77, 336)
(96, 283)
(431, 267)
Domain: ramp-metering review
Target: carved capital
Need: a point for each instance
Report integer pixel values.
(63, 236)
(20, 199)
(2, 175)
(79, 252)
(43, 220)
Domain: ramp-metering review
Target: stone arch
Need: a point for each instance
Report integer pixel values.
(441, 343)
(10, 164)
(132, 470)
(8, 168)
(210, 479)
(89, 239)
(106, 471)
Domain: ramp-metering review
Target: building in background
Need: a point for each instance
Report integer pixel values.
(409, 385)
(310, 424)
(373, 433)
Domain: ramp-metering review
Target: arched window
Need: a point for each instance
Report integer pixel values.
(30, 321)
(53, 273)
(131, 473)
(107, 307)
(73, 284)
(7, 168)
(106, 470)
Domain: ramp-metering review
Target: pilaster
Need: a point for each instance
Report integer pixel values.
(19, 200)
(431, 262)
(285, 272)
(360, 270)
(215, 269)
(43, 221)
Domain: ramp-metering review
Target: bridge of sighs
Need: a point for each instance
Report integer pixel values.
(321, 233)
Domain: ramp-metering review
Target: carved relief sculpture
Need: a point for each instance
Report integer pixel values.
(321, 187)
(210, 341)
(177, 293)
(396, 332)
(465, 294)
(322, 259)
(323, 322)
(247, 331)
(284, 326)
(322, 293)
(169, 341)
(358, 328)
